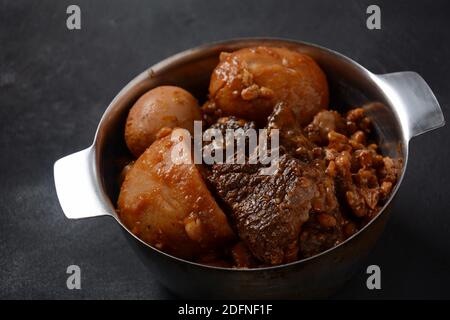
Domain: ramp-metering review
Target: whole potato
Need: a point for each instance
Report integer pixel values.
(166, 203)
(164, 106)
(248, 83)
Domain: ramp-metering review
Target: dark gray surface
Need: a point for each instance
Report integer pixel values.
(55, 85)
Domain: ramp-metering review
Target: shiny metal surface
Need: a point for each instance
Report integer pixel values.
(77, 189)
(414, 102)
(86, 181)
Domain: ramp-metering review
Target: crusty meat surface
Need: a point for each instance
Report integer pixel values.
(292, 139)
(268, 210)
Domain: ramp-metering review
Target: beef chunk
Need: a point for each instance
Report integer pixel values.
(292, 139)
(268, 210)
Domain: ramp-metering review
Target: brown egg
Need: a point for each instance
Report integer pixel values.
(161, 107)
(249, 82)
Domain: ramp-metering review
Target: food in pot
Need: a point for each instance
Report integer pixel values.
(330, 178)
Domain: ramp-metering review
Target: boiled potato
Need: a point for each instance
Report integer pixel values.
(165, 202)
(248, 83)
(164, 106)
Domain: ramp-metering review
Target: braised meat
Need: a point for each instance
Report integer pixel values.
(268, 210)
(299, 211)
(292, 139)
(325, 227)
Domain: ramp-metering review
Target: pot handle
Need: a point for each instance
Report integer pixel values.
(418, 108)
(77, 187)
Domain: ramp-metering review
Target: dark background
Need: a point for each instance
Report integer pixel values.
(55, 85)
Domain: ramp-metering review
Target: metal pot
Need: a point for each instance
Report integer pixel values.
(86, 181)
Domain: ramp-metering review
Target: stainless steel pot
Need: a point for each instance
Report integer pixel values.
(86, 181)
